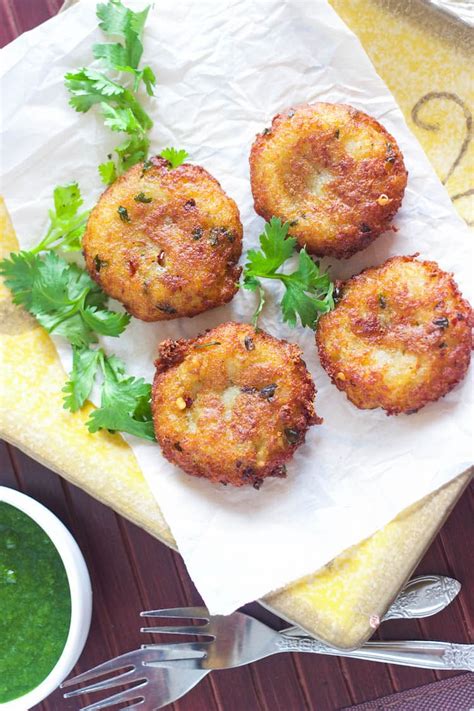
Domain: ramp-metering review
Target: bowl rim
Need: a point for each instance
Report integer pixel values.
(79, 588)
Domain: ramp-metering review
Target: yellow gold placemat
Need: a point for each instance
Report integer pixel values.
(424, 59)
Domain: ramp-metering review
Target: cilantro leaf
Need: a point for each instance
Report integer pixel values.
(107, 172)
(51, 286)
(113, 54)
(20, 271)
(67, 201)
(297, 302)
(105, 322)
(80, 282)
(149, 79)
(117, 366)
(132, 151)
(85, 362)
(174, 157)
(72, 327)
(88, 87)
(116, 19)
(138, 20)
(118, 119)
(276, 248)
(308, 292)
(125, 403)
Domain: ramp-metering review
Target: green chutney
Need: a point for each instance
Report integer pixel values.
(35, 604)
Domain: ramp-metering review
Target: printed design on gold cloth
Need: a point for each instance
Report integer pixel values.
(418, 121)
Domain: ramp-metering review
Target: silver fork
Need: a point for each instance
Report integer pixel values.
(238, 639)
(154, 687)
(421, 597)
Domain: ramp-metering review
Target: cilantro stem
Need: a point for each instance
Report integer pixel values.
(102, 358)
(279, 276)
(138, 111)
(261, 303)
(45, 242)
(51, 237)
(77, 305)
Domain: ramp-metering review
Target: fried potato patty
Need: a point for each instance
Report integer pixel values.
(232, 405)
(399, 337)
(334, 173)
(165, 242)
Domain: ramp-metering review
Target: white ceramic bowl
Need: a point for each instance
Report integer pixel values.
(81, 596)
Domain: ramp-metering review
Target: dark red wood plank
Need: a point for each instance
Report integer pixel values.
(277, 679)
(171, 586)
(117, 600)
(17, 16)
(9, 24)
(161, 586)
(455, 542)
(321, 677)
(243, 693)
(7, 472)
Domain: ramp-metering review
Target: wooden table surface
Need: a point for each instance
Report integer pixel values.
(132, 571)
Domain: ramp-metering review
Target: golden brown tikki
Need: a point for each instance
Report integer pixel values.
(399, 337)
(334, 173)
(165, 242)
(232, 405)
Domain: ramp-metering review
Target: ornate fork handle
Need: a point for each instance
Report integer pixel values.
(428, 655)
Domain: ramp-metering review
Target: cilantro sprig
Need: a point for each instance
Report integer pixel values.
(67, 302)
(62, 297)
(121, 112)
(115, 19)
(308, 292)
(119, 104)
(125, 401)
(67, 224)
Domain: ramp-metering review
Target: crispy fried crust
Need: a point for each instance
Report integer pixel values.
(399, 337)
(174, 251)
(232, 405)
(334, 173)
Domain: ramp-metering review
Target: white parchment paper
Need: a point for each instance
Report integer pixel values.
(224, 69)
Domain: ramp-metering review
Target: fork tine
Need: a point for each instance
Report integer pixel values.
(127, 695)
(174, 651)
(192, 629)
(124, 660)
(159, 647)
(107, 683)
(201, 613)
